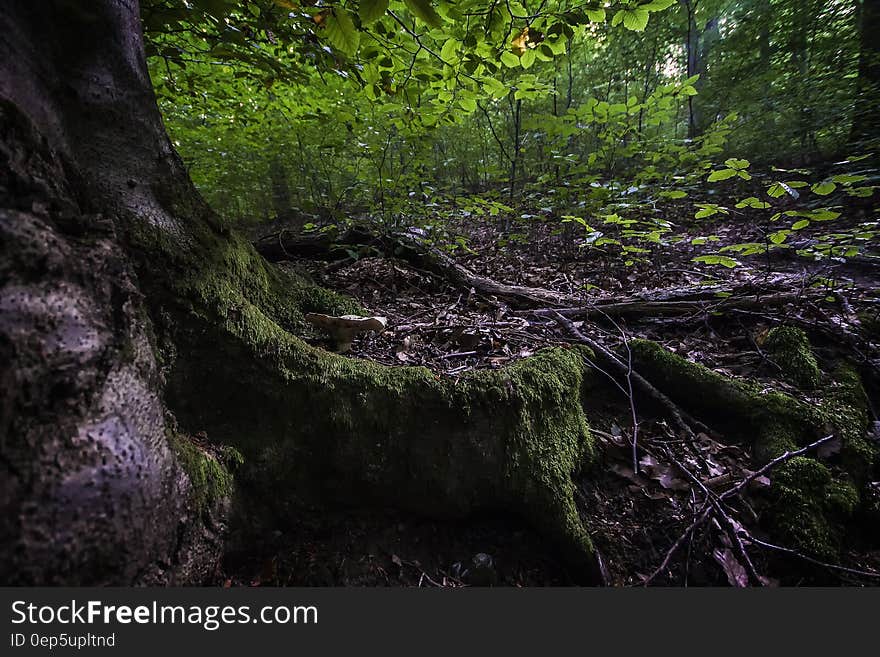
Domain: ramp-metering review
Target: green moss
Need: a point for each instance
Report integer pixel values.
(774, 422)
(799, 489)
(810, 504)
(843, 498)
(845, 411)
(870, 323)
(210, 479)
(790, 348)
(323, 428)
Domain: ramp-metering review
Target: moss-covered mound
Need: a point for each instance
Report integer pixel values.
(315, 426)
(791, 350)
(811, 501)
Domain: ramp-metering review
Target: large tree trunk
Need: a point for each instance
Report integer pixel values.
(90, 490)
(127, 308)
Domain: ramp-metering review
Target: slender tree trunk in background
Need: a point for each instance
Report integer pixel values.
(866, 114)
(649, 68)
(801, 54)
(764, 49)
(709, 36)
(514, 162)
(280, 190)
(690, 46)
(698, 45)
(570, 90)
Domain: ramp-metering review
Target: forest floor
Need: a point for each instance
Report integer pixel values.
(635, 513)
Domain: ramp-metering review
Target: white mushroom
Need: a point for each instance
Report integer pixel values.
(343, 329)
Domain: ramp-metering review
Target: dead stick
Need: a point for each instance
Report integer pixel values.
(704, 513)
(730, 526)
(678, 415)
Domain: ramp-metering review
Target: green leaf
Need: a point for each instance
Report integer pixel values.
(734, 163)
(823, 188)
(468, 104)
(823, 214)
(527, 59)
(779, 236)
(341, 32)
(372, 10)
(709, 210)
(752, 202)
(509, 59)
(673, 194)
(596, 15)
(632, 19)
(449, 52)
(779, 188)
(721, 174)
(424, 10)
(496, 88)
(657, 5)
(846, 179)
(717, 260)
(803, 223)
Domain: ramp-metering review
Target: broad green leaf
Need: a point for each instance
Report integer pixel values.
(823, 214)
(717, 260)
(657, 5)
(709, 210)
(803, 223)
(779, 188)
(721, 174)
(341, 32)
(847, 179)
(449, 51)
(633, 19)
(779, 236)
(752, 202)
(823, 188)
(372, 10)
(424, 10)
(735, 163)
(596, 15)
(509, 59)
(496, 87)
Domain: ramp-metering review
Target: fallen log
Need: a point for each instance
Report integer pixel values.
(286, 245)
(617, 308)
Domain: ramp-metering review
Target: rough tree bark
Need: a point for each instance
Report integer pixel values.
(131, 316)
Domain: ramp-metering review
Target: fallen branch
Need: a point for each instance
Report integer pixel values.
(663, 307)
(682, 420)
(284, 245)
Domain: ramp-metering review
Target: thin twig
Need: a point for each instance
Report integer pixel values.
(770, 465)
